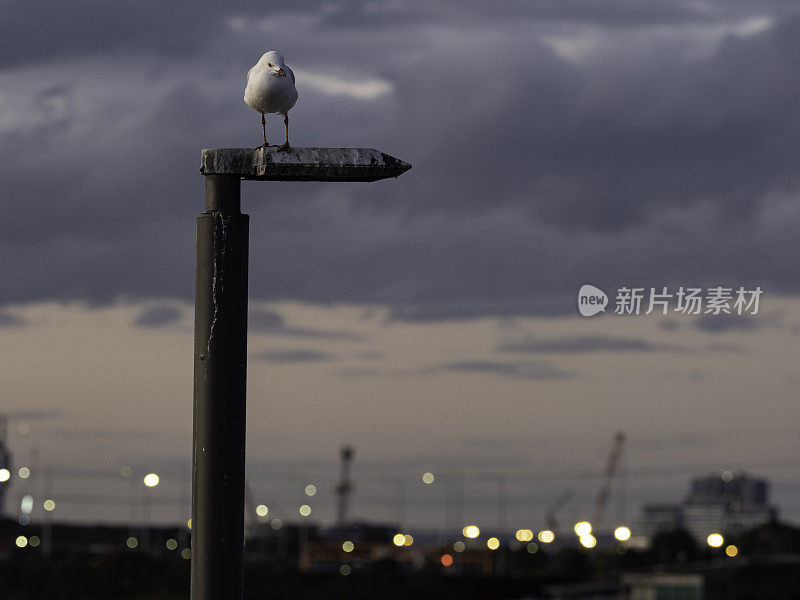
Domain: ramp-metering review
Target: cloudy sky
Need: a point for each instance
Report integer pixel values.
(430, 321)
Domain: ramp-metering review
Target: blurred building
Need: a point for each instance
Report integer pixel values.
(730, 503)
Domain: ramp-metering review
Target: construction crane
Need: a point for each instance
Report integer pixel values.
(557, 505)
(608, 477)
(345, 486)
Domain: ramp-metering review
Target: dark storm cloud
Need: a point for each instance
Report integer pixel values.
(631, 162)
(298, 355)
(158, 316)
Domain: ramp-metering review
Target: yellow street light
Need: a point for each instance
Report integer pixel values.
(622, 533)
(583, 528)
(471, 531)
(546, 536)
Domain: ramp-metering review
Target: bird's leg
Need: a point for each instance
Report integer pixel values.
(264, 128)
(285, 147)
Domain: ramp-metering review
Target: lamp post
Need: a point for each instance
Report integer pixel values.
(220, 342)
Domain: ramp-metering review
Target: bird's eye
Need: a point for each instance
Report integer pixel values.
(269, 64)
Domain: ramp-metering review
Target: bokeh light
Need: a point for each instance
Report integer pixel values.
(26, 504)
(49, 505)
(34, 541)
(622, 533)
(471, 531)
(24, 472)
(588, 541)
(171, 544)
(151, 480)
(345, 570)
(459, 546)
(524, 535)
(304, 510)
(731, 550)
(262, 510)
(186, 553)
(447, 560)
(21, 541)
(715, 540)
(532, 548)
(311, 490)
(399, 539)
(546, 536)
(727, 476)
(131, 542)
(428, 478)
(5, 475)
(126, 471)
(23, 428)
(583, 528)
(409, 539)
(348, 546)
(493, 543)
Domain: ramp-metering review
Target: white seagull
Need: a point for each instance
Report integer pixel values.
(270, 89)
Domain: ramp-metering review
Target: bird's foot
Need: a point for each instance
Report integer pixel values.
(284, 148)
(263, 146)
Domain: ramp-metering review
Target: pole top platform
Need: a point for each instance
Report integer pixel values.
(302, 164)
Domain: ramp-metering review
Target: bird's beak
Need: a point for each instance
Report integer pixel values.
(281, 72)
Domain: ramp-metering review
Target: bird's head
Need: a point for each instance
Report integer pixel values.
(273, 61)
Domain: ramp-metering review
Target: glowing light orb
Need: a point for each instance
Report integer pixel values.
(546, 536)
(583, 528)
(622, 533)
(471, 531)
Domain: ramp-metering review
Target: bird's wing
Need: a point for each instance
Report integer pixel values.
(289, 72)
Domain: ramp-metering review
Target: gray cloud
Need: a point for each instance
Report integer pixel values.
(9, 320)
(595, 152)
(581, 344)
(267, 321)
(507, 369)
(723, 322)
(158, 316)
(299, 355)
(516, 370)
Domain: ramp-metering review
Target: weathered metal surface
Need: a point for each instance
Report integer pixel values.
(220, 375)
(302, 164)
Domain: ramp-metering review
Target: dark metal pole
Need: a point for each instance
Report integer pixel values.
(220, 373)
